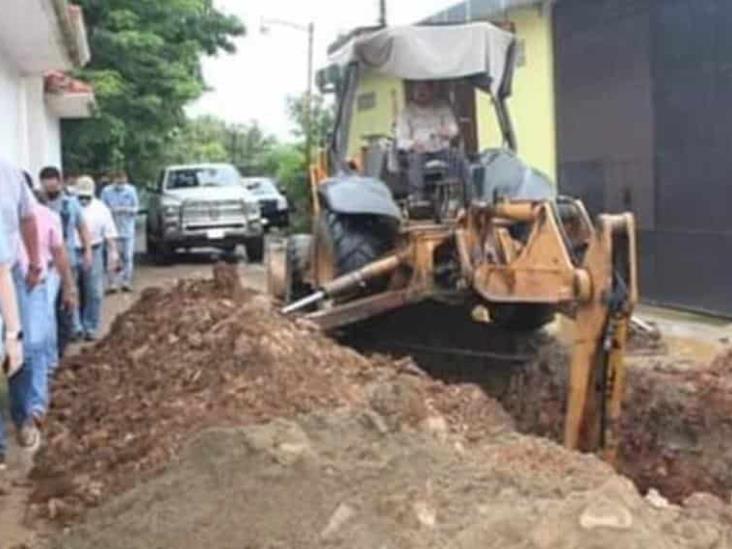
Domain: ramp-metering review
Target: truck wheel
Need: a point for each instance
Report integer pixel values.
(351, 241)
(165, 254)
(255, 250)
(521, 316)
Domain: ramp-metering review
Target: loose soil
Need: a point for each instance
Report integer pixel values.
(209, 353)
(209, 419)
(339, 479)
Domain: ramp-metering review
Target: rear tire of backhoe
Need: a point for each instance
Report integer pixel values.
(521, 316)
(352, 241)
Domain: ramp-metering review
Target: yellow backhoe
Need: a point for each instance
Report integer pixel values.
(486, 232)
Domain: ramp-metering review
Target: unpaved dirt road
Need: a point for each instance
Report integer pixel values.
(15, 529)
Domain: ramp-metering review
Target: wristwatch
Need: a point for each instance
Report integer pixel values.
(14, 336)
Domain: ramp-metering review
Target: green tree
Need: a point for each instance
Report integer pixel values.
(145, 67)
(285, 162)
(210, 139)
(322, 116)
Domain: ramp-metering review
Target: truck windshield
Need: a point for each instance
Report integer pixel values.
(186, 178)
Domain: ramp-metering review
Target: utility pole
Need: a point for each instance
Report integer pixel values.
(309, 98)
(382, 13)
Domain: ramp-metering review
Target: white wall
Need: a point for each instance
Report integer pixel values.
(9, 109)
(43, 128)
(30, 134)
(53, 136)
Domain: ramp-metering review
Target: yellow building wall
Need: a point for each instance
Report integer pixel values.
(532, 103)
(379, 119)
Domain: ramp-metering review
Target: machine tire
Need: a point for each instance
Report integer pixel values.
(354, 240)
(521, 316)
(255, 250)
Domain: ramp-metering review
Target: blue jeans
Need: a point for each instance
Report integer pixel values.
(126, 250)
(87, 316)
(29, 387)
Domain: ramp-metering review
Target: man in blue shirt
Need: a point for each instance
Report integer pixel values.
(121, 198)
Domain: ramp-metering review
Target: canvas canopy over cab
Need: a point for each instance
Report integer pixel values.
(481, 53)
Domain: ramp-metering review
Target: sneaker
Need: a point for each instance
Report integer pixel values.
(90, 337)
(127, 288)
(77, 336)
(112, 290)
(29, 437)
(39, 419)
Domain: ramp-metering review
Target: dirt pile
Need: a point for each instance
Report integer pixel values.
(677, 428)
(209, 353)
(341, 480)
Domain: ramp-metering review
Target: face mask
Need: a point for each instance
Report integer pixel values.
(53, 195)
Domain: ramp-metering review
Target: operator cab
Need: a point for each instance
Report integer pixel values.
(421, 137)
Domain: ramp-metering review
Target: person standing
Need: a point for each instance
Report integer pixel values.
(75, 234)
(60, 285)
(102, 230)
(32, 388)
(11, 353)
(121, 198)
(20, 227)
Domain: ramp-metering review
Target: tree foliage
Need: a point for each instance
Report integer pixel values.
(322, 117)
(210, 139)
(145, 67)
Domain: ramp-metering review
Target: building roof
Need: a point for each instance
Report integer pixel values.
(470, 10)
(41, 35)
(425, 52)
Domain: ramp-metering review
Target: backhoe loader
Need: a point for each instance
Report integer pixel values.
(491, 236)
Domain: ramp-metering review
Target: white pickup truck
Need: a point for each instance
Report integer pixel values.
(203, 205)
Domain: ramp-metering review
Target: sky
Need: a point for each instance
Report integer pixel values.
(254, 83)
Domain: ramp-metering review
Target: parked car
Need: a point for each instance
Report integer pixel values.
(274, 205)
(203, 205)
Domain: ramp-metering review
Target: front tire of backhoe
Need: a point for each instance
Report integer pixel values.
(348, 242)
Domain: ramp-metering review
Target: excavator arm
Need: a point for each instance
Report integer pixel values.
(597, 370)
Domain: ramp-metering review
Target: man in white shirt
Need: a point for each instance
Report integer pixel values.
(426, 130)
(103, 232)
(427, 124)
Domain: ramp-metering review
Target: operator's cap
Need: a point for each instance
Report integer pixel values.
(84, 187)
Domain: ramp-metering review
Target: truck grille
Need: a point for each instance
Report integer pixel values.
(268, 206)
(213, 213)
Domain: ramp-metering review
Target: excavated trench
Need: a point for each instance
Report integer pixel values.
(676, 431)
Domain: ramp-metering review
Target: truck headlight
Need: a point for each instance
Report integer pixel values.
(281, 203)
(171, 210)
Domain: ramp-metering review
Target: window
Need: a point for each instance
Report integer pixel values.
(187, 178)
(366, 101)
